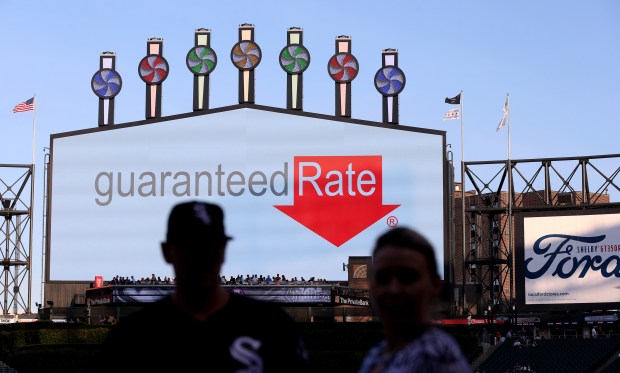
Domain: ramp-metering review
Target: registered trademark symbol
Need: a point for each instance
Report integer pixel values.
(392, 221)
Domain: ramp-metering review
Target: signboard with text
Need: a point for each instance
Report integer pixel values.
(568, 260)
(301, 192)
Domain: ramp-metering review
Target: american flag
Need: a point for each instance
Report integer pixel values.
(24, 106)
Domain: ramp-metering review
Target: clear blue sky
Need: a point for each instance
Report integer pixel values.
(557, 59)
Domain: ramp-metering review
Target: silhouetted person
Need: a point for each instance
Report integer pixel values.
(202, 326)
(404, 282)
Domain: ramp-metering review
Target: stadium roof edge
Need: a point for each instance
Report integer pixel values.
(248, 106)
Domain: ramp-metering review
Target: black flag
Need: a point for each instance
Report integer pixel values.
(456, 100)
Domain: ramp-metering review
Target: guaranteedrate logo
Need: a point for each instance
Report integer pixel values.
(337, 197)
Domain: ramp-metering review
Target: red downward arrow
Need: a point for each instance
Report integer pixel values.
(337, 197)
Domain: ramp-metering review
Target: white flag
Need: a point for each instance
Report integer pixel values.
(506, 112)
(452, 114)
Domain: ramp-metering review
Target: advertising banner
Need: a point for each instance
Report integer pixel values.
(301, 193)
(98, 281)
(569, 259)
(151, 293)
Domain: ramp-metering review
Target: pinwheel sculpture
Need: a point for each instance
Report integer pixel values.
(106, 83)
(201, 61)
(294, 60)
(389, 82)
(343, 67)
(245, 56)
(153, 70)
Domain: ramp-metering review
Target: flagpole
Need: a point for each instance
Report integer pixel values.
(34, 126)
(509, 177)
(509, 194)
(462, 202)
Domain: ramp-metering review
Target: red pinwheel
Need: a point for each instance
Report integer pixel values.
(343, 67)
(153, 69)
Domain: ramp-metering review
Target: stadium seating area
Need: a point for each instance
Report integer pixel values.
(554, 355)
(230, 280)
